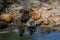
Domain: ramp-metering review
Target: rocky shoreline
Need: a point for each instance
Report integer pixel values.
(44, 14)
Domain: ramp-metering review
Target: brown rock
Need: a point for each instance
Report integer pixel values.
(56, 19)
(47, 6)
(39, 21)
(46, 29)
(45, 14)
(46, 21)
(35, 13)
(6, 17)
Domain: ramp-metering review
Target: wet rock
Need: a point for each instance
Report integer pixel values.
(3, 25)
(46, 29)
(21, 32)
(32, 30)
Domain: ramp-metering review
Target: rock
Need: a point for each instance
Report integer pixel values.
(38, 22)
(45, 14)
(35, 13)
(25, 15)
(35, 4)
(6, 17)
(3, 25)
(57, 20)
(47, 6)
(46, 21)
(14, 9)
(46, 29)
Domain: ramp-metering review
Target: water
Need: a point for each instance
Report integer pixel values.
(45, 36)
(42, 36)
(51, 36)
(38, 35)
